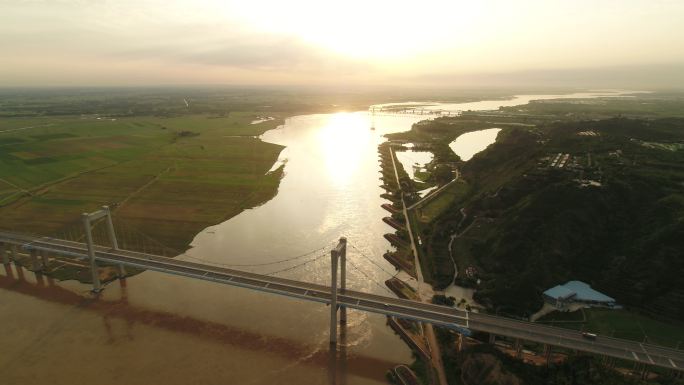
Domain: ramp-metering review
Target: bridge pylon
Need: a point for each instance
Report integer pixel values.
(88, 218)
(338, 254)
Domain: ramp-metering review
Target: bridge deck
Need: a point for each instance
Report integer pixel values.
(402, 308)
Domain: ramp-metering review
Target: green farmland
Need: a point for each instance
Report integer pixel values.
(167, 177)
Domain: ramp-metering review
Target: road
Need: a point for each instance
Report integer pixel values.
(431, 340)
(435, 193)
(401, 308)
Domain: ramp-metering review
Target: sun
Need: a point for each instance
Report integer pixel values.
(376, 29)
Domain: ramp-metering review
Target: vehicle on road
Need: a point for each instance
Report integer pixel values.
(589, 336)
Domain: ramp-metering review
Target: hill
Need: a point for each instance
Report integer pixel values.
(612, 216)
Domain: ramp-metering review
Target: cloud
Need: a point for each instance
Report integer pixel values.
(119, 32)
(367, 43)
(256, 52)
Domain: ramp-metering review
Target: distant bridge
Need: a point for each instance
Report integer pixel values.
(39, 248)
(412, 111)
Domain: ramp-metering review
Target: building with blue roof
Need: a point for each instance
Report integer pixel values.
(576, 292)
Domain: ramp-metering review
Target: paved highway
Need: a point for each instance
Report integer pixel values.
(402, 308)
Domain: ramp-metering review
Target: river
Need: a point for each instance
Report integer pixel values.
(470, 143)
(516, 100)
(155, 328)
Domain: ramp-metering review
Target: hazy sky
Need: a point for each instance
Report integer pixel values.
(427, 42)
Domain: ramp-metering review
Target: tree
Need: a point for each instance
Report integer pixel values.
(443, 174)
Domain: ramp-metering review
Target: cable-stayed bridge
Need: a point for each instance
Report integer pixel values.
(339, 298)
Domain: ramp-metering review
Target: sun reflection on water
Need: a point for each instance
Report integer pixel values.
(342, 141)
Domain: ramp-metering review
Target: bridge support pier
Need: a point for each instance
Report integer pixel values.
(45, 260)
(547, 353)
(609, 362)
(35, 264)
(518, 348)
(20, 271)
(8, 271)
(40, 279)
(5, 257)
(14, 252)
(339, 252)
(492, 338)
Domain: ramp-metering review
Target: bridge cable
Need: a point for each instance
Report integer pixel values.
(132, 230)
(297, 266)
(379, 266)
(372, 261)
(78, 224)
(384, 287)
(257, 264)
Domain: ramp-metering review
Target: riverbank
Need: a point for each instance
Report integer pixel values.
(402, 257)
(514, 190)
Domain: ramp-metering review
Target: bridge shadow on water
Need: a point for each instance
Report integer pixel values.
(338, 364)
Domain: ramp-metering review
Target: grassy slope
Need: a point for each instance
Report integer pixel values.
(431, 210)
(169, 187)
(620, 324)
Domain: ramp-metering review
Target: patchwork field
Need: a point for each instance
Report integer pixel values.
(167, 177)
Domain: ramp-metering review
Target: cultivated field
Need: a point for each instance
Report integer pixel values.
(167, 177)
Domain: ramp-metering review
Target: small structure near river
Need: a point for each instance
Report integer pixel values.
(576, 293)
